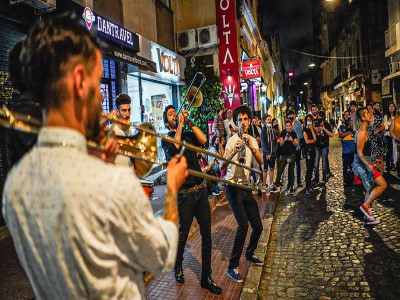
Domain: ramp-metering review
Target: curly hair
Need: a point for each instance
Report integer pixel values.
(243, 109)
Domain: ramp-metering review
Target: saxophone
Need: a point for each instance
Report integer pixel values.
(242, 151)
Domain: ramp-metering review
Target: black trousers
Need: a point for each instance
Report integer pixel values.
(310, 161)
(245, 209)
(298, 166)
(347, 159)
(190, 205)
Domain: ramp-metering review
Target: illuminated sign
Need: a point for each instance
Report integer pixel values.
(167, 61)
(251, 69)
(109, 29)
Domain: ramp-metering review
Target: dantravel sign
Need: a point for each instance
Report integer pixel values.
(251, 69)
(110, 30)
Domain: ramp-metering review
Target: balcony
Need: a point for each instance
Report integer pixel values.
(392, 40)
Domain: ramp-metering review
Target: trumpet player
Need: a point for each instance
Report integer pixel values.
(82, 228)
(192, 197)
(123, 111)
(242, 147)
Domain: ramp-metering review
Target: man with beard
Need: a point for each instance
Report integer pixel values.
(89, 230)
(242, 202)
(298, 129)
(192, 197)
(314, 112)
(123, 111)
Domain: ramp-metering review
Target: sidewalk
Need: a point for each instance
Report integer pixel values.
(223, 231)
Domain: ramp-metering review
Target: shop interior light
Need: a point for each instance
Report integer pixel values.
(301, 92)
(305, 83)
(311, 65)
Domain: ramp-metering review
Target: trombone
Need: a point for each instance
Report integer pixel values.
(193, 93)
(142, 147)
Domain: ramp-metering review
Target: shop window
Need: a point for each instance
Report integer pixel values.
(109, 86)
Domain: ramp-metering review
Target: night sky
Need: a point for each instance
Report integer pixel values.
(292, 20)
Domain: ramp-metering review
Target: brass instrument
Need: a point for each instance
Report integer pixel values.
(242, 151)
(193, 96)
(142, 147)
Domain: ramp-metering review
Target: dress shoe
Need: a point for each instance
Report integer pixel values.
(209, 284)
(179, 277)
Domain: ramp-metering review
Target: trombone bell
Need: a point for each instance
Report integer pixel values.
(199, 97)
(144, 145)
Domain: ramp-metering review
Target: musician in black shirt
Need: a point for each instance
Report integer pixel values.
(193, 195)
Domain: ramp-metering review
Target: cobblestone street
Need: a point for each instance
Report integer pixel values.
(319, 248)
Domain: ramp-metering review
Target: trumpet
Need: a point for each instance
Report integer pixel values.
(142, 147)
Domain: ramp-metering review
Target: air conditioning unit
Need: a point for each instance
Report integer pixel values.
(186, 40)
(207, 36)
(39, 5)
(376, 77)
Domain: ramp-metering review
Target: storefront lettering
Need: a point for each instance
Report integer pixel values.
(114, 30)
(167, 63)
(226, 33)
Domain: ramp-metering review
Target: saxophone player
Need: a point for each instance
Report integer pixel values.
(242, 147)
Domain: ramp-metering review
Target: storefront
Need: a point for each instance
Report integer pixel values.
(152, 91)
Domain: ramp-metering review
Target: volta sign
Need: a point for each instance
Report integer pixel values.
(251, 69)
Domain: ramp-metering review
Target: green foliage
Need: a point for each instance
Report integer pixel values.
(211, 91)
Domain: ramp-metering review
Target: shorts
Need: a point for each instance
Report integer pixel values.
(375, 175)
(269, 164)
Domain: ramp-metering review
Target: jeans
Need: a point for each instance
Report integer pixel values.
(190, 205)
(245, 210)
(282, 162)
(298, 166)
(347, 159)
(321, 152)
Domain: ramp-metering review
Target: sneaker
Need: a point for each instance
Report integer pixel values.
(255, 260)
(368, 222)
(272, 188)
(289, 192)
(234, 274)
(216, 191)
(366, 211)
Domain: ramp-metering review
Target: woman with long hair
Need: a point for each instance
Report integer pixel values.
(387, 121)
(364, 168)
(309, 149)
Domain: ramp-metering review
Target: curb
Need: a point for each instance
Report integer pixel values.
(253, 276)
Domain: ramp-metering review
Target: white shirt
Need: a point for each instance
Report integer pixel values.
(83, 229)
(228, 122)
(122, 160)
(234, 172)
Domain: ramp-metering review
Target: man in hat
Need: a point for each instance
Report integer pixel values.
(242, 146)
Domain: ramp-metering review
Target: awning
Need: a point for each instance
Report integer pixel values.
(130, 58)
(391, 76)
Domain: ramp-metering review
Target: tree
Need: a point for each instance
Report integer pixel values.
(211, 91)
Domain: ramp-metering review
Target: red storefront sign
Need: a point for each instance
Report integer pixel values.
(228, 53)
(251, 69)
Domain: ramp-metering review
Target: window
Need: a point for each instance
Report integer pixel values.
(108, 86)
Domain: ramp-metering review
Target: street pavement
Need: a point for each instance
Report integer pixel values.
(319, 248)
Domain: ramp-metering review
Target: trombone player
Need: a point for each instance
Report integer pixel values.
(82, 228)
(192, 197)
(242, 147)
